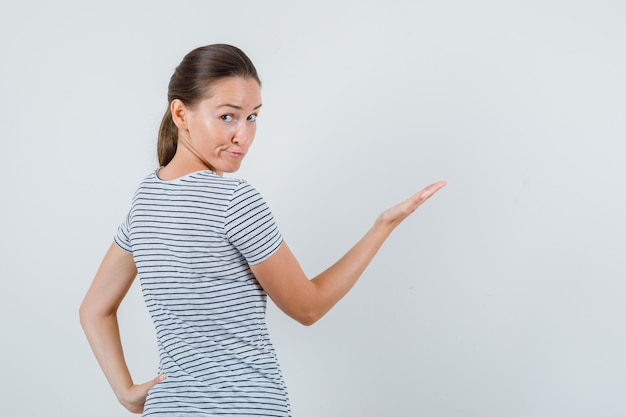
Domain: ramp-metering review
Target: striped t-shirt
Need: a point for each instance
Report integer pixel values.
(192, 240)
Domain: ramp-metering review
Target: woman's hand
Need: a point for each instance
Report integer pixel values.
(135, 397)
(396, 214)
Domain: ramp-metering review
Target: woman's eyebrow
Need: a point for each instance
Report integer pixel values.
(234, 106)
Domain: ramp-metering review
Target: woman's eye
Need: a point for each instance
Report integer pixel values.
(227, 117)
(252, 118)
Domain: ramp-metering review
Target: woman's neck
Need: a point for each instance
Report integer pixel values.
(183, 163)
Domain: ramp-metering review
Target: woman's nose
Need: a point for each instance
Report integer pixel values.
(241, 135)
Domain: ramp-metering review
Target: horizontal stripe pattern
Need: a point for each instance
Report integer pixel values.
(193, 240)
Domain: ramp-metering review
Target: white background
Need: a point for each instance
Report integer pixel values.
(502, 296)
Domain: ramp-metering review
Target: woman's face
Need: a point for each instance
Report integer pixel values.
(221, 127)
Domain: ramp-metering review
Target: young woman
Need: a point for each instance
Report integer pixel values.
(207, 252)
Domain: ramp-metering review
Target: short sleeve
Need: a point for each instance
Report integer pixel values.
(250, 225)
(122, 237)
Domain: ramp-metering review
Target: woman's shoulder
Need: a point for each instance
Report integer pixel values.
(204, 181)
(196, 177)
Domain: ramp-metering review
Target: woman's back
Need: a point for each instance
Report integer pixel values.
(192, 240)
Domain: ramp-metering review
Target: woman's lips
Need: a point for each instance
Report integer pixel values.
(236, 154)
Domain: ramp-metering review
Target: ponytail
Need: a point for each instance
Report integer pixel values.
(168, 139)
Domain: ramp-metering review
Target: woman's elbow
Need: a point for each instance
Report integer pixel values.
(84, 314)
(89, 314)
(307, 317)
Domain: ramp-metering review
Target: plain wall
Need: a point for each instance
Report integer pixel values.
(502, 296)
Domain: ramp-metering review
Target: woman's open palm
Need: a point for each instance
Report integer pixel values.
(396, 214)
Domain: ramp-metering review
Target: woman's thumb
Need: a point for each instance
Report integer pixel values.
(156, 380)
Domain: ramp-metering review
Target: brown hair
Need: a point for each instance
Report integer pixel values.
(193, 80)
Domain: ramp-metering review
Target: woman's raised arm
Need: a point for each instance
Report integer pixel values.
(307, 300)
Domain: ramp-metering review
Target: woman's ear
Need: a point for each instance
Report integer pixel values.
(179, 113)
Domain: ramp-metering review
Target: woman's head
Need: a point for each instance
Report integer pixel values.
(193, 81)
